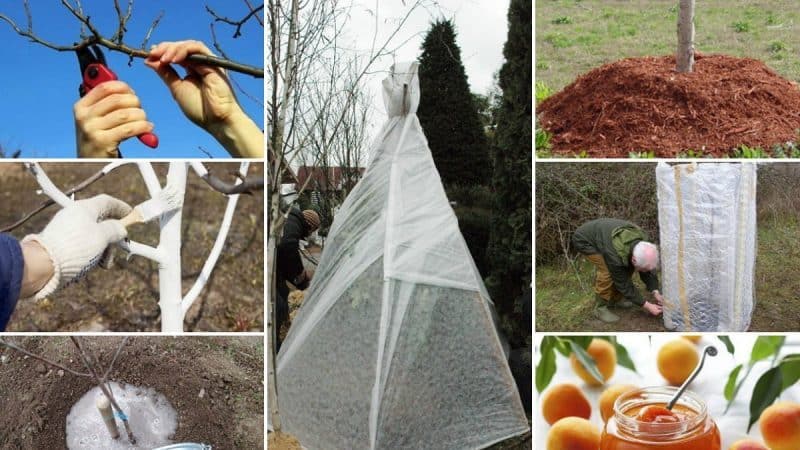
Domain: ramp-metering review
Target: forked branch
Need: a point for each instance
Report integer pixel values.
(116, 43)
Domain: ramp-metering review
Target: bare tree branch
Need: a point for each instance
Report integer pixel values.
(247, 186)
(237, 23)
(114, 359)
(90, 365)
(115, 43)
(17, 348)
(258, 18)
(77, 188)
(153, 27)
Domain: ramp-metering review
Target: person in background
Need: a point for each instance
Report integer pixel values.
(289, 264)
(111, 112)
(70, 245)
(618, 249)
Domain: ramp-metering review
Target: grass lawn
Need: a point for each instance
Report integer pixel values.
(574, 36)
(564, 304)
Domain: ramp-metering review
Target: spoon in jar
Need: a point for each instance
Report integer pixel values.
(709, 350)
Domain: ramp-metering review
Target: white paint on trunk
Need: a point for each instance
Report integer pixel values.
(104, 406)
(167, 254)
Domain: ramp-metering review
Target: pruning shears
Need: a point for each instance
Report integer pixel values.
(94, 71)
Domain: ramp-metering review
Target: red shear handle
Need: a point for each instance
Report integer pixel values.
(149, 139)
(97, 74)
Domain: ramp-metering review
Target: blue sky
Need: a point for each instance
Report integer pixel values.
(38, 85)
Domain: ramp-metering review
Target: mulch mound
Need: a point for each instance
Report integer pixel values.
(642, 104)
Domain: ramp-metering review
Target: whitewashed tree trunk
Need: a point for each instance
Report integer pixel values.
(685, 54)
(172, 303)
(169, 270)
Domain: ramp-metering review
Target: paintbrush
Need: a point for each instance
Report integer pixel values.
(168, 199)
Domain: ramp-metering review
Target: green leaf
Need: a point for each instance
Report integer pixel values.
(765, 347)
(546, 368)
(587, 362)
(767, 389)
(731, 384)
(562, 346)
(582, 341)
(790, 370)
(728, 344)
(623, 358)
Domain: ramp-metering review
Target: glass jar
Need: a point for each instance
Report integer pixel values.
(691, 428)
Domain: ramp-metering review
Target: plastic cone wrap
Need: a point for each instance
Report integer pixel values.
(395, 346)
(707, 218)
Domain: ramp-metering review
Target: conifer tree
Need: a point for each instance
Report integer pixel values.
(448, 113)
(510, 240)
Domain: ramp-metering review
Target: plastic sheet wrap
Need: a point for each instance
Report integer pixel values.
(395, 346)
(707, 218)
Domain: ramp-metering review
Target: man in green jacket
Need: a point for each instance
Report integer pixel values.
(617, 249)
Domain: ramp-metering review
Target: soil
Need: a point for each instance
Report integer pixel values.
(642, 104)
(125, 298)
(230, 371)
(282, 441)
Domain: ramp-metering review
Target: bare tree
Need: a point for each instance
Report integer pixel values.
(685, 54)
(306, 51)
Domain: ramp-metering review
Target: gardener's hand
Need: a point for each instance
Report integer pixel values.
(652, 308)
(106, 116)
(658, 298)
(77, 237)
(206, 98)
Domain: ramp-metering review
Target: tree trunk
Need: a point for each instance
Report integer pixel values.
(272, 332)
(685, 55)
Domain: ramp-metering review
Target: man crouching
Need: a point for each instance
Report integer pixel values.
(617, 249)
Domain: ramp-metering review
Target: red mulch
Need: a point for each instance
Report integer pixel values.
(642, 104)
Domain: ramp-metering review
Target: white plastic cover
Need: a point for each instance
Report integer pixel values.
(707, 217)
(395, 346)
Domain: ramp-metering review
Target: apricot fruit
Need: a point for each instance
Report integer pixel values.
(573, 433)
(748, 444)
(693, 338)
(605, 357)
(780, 426)
(565, 400)
(677, 360)
(657, 414)
(609, 396)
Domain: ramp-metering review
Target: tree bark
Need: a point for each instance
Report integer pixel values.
(685, 55)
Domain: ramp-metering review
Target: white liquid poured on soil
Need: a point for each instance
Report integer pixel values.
(151, 416)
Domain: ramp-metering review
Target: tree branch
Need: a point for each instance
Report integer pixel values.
(247, 186)
(237, 23)
(116, 43)
(90, 366)
(114, 359)
(77, 188)
(17, 348)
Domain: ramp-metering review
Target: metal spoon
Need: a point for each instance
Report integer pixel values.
(709, 350)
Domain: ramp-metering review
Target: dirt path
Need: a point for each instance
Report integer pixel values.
(229, 372)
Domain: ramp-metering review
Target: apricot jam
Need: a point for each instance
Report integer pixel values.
(642, 422)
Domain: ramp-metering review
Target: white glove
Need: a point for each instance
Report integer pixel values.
(77, 237)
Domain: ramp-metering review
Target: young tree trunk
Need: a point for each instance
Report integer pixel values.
(272, 332)
(685, 55)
